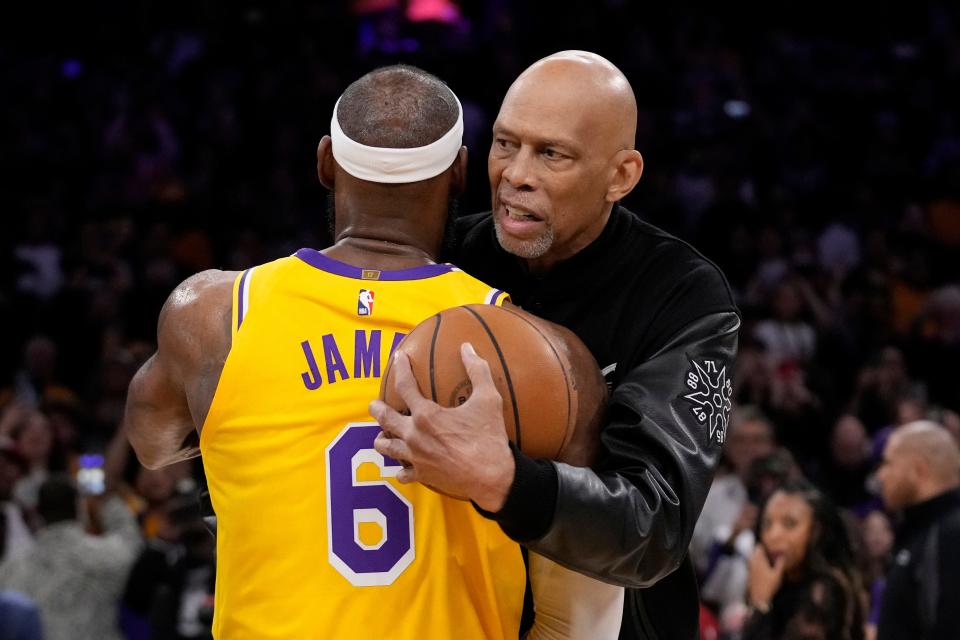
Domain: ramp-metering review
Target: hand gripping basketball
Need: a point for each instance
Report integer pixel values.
(519, 373)
(460, 451)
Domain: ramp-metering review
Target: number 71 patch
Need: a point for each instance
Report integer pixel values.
(710, 398)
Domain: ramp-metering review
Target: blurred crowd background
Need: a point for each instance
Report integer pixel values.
(812, 150)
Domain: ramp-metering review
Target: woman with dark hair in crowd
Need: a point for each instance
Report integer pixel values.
(804, 583)
(876, 551)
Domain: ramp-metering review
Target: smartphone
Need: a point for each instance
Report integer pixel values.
(91, 479)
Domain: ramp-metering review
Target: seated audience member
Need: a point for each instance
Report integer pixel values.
(803, 579)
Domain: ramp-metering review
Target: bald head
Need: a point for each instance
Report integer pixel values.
(932, 444)
(562, 156)
(588, 84)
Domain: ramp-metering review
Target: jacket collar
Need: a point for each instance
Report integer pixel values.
(602, 251)
(922, 514)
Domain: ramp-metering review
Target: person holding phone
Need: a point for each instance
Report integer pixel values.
(76, 578)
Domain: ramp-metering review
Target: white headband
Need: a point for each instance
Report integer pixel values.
(396, 166)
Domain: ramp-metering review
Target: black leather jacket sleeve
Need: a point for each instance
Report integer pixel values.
(629, 521)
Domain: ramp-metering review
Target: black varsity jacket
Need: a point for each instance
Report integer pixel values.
(922, 594)
(661, 322)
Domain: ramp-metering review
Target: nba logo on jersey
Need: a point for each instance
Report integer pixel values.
(365, 303)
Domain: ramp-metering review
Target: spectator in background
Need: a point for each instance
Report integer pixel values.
(881, 384)
(790, 340)
(850, 464)
(16, 534)
(875, 557)
(33, 436)
(936, 344)
(770, 472)
(152, 490)
(169, 593)
(920, 475)
(75, 578)
(753, 375)
(70, 428)
(723, 537)
(35, 381)
(949, 420)
(803, 579)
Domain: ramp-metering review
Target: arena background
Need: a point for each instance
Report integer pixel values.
(811, 149)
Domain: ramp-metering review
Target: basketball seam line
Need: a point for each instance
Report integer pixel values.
(506, 373)
(570, 416)
(433, 350)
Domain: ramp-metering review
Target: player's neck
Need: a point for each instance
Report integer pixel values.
(402, 226)
(378, 253)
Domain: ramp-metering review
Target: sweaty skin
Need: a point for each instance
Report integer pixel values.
(170, 395)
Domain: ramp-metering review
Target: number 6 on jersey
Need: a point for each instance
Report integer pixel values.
(352, 502)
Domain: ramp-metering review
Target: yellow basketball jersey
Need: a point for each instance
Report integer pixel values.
(315, 538)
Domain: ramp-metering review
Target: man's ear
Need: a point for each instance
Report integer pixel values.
(458, 175)
(325, 163)
(626, 174)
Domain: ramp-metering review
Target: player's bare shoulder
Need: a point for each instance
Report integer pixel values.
(194, 323)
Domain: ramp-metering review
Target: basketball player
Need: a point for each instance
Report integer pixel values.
(658, 317)
(268, 373)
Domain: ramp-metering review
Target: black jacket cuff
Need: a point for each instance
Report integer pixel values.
(528, 511)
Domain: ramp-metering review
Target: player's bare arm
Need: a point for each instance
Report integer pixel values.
(170, 395)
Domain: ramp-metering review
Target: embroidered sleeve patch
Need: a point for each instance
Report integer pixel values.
(710, 398)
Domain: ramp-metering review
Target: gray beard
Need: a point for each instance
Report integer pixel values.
(527, 249)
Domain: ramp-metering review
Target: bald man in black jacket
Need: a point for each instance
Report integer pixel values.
(920, 475)
(658, 317)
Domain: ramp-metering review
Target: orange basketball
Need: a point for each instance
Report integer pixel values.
(553, 392)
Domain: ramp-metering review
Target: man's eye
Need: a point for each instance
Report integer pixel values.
(502, 143)
(552, 154)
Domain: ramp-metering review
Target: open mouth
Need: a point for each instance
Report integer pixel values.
(514, 212)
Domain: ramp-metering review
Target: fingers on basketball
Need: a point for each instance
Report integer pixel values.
(545, 394)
